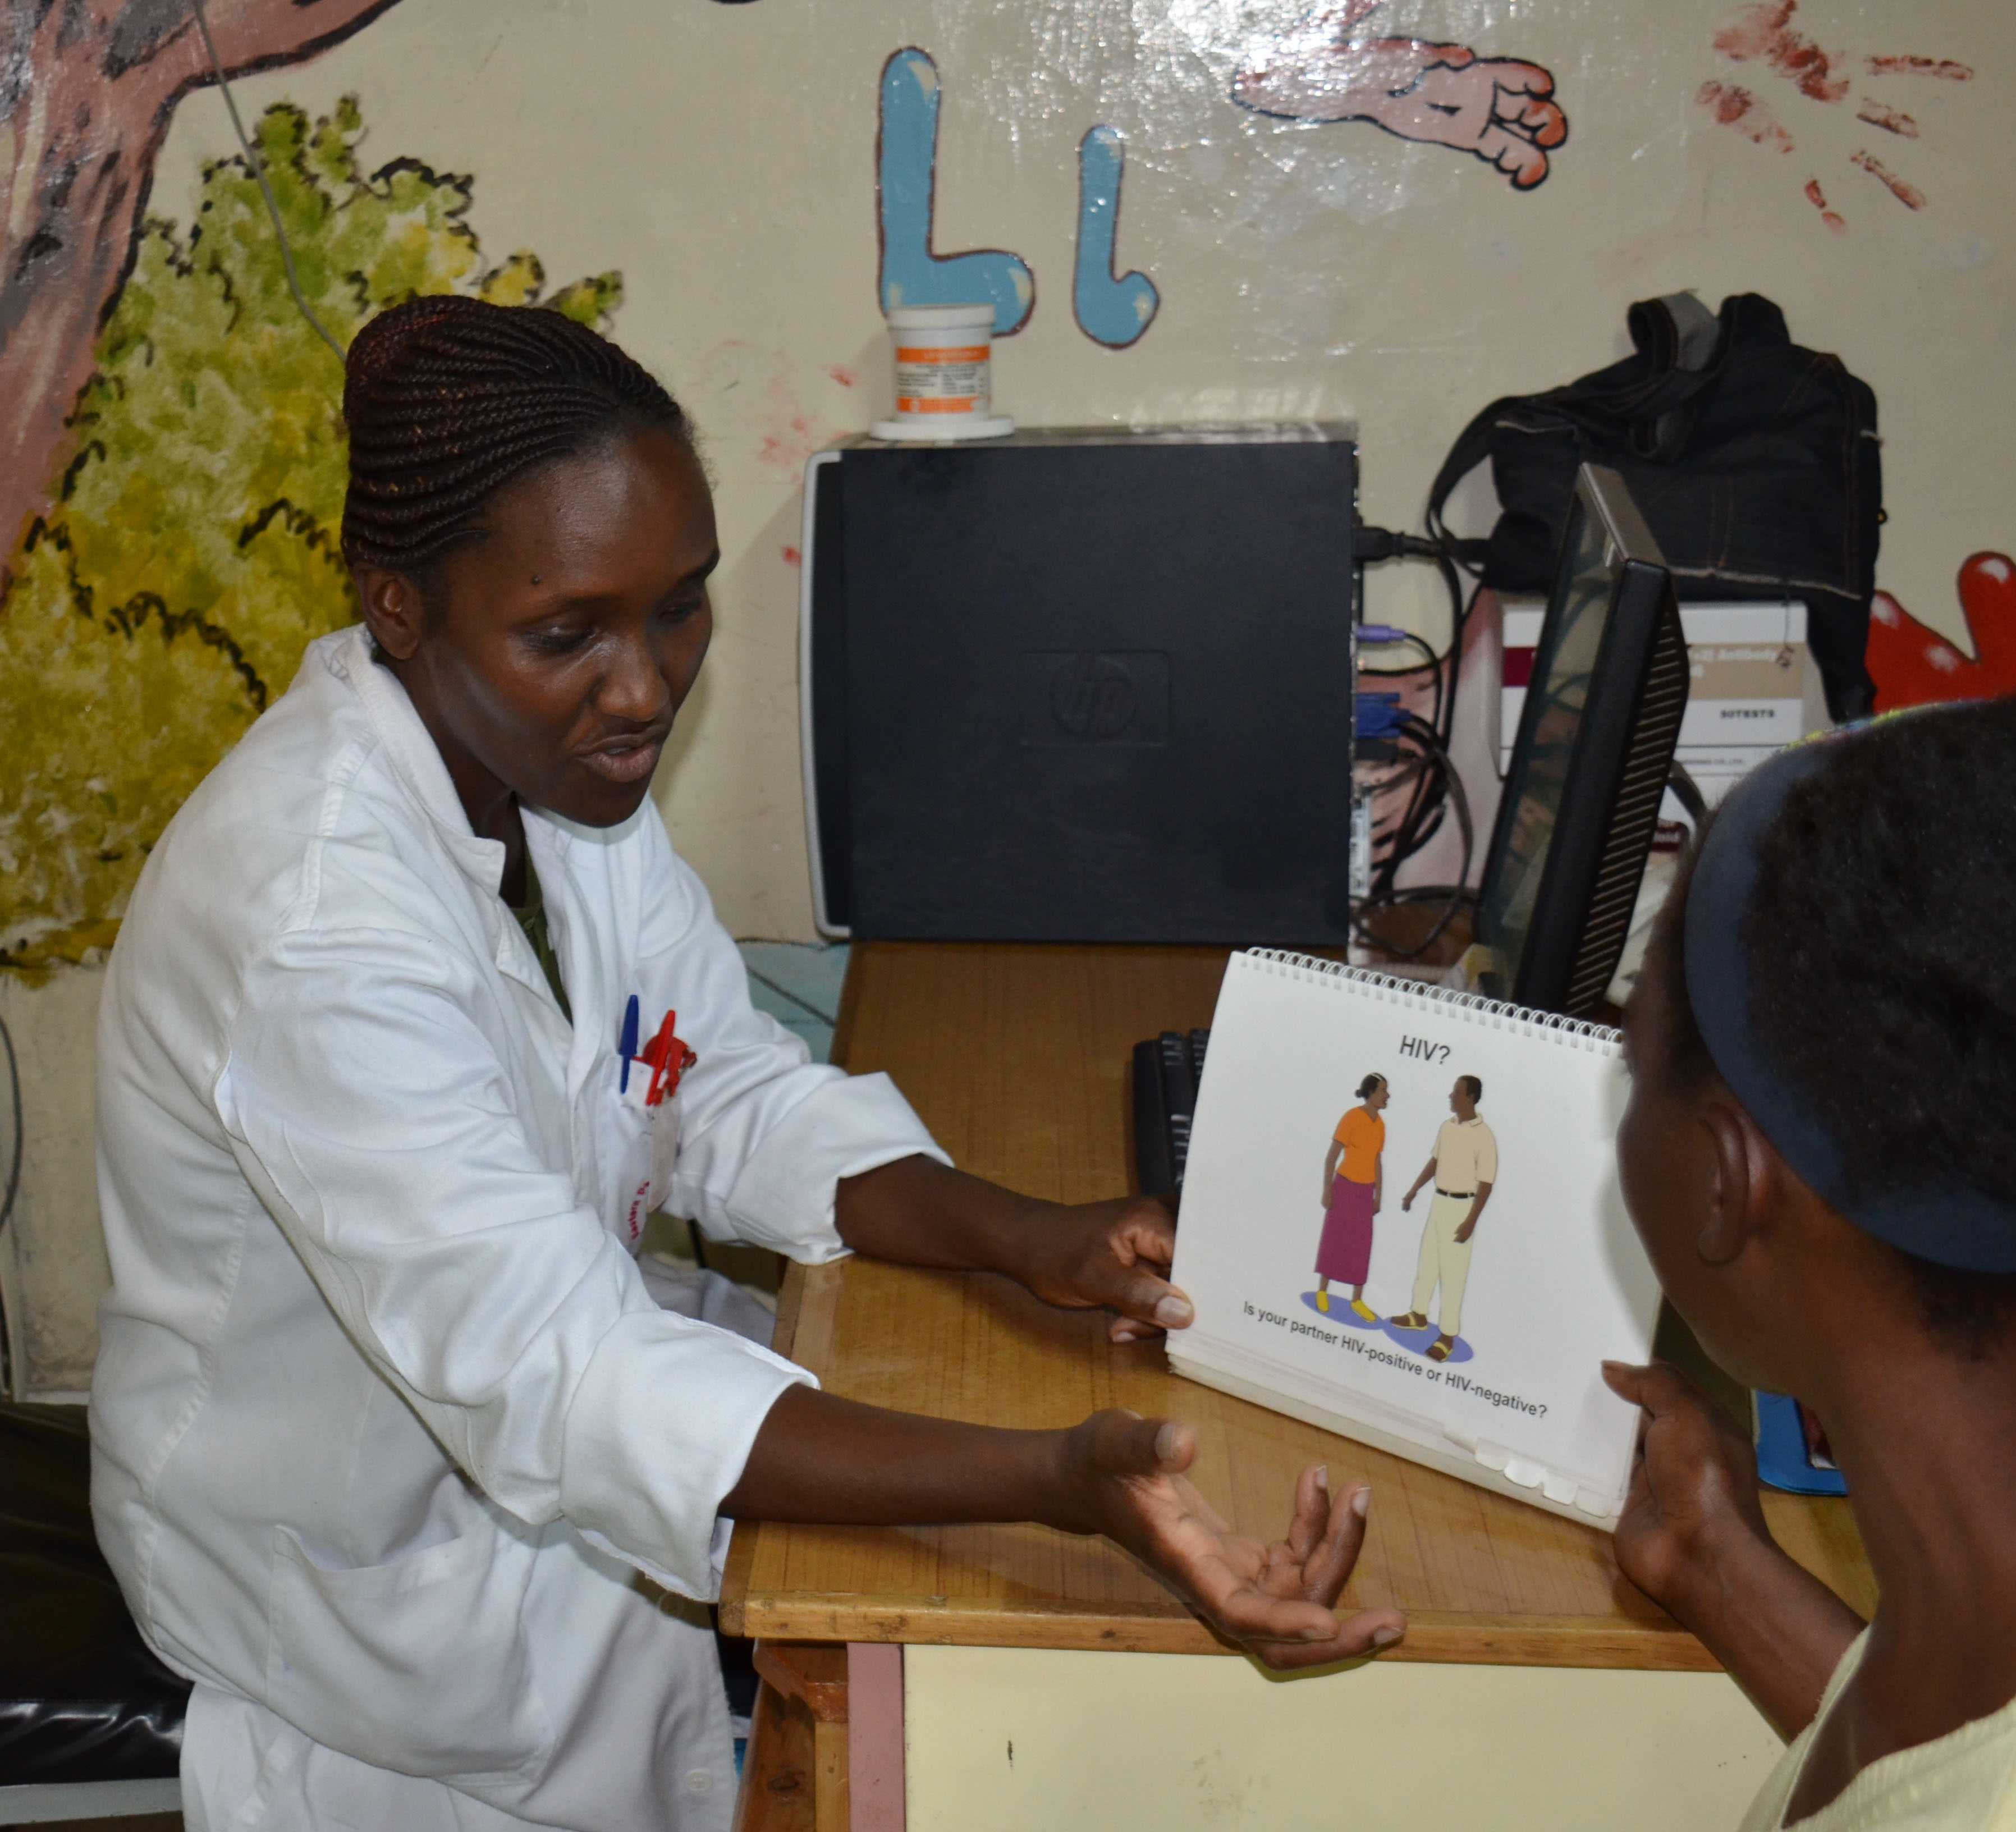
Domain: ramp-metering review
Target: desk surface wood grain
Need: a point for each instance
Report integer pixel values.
(1017, 1058)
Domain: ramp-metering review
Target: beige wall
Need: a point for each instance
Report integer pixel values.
(722, 157)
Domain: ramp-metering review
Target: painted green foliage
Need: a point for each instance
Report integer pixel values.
(191, 554)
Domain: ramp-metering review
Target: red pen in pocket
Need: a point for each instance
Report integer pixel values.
(669, 1058)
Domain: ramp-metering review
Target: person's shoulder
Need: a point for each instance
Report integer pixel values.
(301, 827)
(303, 822)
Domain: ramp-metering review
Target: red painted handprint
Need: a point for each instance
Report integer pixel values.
(1499, 110)
(1915, 666)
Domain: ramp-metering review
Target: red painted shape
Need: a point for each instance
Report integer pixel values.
(847, 378)
(1908, 195)
(1915, 666)
(1764, 33)
(793, 557)
(1734, 106)
(1817, 197)
(1944, 68)
(1892, 120)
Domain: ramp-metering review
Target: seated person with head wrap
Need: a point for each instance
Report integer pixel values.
(1820, 1156)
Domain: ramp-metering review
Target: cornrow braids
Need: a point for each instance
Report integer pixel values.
(448, 399)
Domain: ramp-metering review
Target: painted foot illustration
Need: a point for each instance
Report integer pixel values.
(907, 166)
(1111, 307)
(1499, 110)
(1352, 1314)
(1413, 1332)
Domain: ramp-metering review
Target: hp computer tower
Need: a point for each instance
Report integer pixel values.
(1082, 686)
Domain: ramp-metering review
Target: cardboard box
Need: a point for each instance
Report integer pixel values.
(1755, 687)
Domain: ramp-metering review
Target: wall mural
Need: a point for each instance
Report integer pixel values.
(164, 597)
(1111, 307)
(87, 91)
(1815, 84)
(1499, 110)
(170, 464)
(1915, 666)
(911, 272)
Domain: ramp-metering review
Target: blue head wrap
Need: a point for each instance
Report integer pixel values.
(1944, 1219)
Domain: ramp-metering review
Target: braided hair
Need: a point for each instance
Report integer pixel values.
(448, 399)
(1883, 988)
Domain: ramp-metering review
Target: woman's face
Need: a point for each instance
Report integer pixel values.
(562, 644)
(1377, 1098)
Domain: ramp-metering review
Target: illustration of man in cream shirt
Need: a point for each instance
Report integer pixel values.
(1464, 1167)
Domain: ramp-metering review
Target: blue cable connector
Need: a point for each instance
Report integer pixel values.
(1378, 715)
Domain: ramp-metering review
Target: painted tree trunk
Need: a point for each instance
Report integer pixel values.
(86, 90)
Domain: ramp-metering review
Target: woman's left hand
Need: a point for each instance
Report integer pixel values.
(1114, 1255)
(1088, 1256)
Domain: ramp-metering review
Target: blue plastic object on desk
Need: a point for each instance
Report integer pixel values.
(1783, 1459)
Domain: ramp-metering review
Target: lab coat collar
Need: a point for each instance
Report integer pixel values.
(417, 762)
(414, 757)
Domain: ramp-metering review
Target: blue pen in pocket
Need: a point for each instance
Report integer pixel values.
(627, 1046)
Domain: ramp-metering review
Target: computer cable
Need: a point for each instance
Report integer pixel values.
(1370, 546)
(1436, 787)
(258, 166)
(1687, 792)
(1387, 636)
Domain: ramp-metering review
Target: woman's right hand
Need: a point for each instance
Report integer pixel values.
(1124, 1474)
(1692, 1537)
(1694, 1504)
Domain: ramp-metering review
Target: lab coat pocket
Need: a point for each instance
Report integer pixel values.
(420, 1665)
(639, 1145)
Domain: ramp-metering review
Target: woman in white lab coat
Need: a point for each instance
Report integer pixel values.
(385, 1421)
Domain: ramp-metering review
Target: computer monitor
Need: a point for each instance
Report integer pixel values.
(1595, 747)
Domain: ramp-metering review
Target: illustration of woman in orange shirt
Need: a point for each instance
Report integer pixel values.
(1352, 1192)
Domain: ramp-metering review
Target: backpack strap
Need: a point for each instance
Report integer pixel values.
(1472, 448)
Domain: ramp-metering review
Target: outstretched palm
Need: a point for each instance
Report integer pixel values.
(1276, 1600)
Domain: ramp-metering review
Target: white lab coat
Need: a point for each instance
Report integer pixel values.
(385, 1423)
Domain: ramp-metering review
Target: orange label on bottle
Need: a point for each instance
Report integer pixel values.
(960, 353)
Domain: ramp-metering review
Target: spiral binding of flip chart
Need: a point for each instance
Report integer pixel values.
(1420, 994)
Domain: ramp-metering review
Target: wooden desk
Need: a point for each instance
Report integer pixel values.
(1016, 1058)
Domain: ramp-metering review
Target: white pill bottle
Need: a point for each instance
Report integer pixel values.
(944, 374)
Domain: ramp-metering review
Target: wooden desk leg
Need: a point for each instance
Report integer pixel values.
(777, 1793)
(812, 1677)
(830, 1805)
(875, 1736)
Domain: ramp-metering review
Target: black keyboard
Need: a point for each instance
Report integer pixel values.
(1167, 1071)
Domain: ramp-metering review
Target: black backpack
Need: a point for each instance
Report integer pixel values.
(1755, 462)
